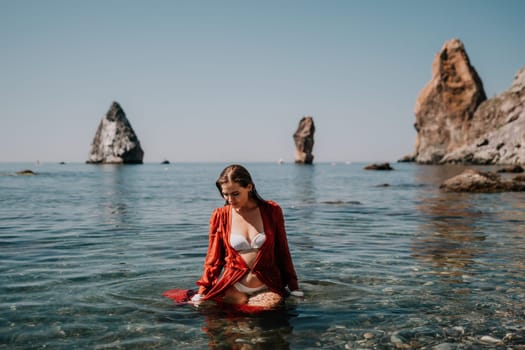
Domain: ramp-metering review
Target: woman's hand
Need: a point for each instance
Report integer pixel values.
(196, 299)
(297, 293)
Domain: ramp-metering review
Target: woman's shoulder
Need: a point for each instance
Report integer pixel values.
(219, 216)
(221, 210)
(272, 205)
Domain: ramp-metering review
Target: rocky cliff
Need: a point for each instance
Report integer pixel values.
(115, 142)
(455, 123)
(497, 131)
(304, 141)
(447, 104)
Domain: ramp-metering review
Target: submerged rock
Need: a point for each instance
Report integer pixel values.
(519, 178)
(490, 339)
(511, 169)
(340, 202)
(304, 141)
(446, 104)
(115, 142)
(476, 181)
(368, 335)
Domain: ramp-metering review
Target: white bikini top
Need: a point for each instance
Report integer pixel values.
(240, 244)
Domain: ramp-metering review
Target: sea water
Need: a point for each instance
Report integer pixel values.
(385, 259)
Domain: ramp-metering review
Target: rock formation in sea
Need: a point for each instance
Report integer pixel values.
(26, 172)
(378, 166)
(115, 142)
(409, 158)
(446, 105)
(472, 180)
(304, 141)
(455, 123)
(497, 131)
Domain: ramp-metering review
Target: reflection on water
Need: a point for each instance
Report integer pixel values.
(113, 191)
(467, 242)
(436, 174)
(447, 231)
(448, 235)
(303, 186)
(236, 331)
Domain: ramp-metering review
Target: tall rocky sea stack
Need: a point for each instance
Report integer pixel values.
(115, 142)
(446, 105)
(304, 141)
(455, 122)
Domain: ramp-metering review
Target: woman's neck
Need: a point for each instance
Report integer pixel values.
(249, 207)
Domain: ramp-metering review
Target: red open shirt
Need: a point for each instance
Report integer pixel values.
(224, 266)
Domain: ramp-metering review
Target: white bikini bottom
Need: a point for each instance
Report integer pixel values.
(248, 290)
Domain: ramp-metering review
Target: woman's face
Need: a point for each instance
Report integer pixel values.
(236, 195)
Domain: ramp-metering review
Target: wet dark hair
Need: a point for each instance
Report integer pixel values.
(240, 175)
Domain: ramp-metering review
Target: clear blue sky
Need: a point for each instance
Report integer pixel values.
(230, 80)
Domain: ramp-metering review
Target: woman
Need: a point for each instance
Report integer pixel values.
(248, 260)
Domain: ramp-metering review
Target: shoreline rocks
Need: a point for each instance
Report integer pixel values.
(472, 180)
(115, 141)
(519, 178)
(511, 169)
(409, 158)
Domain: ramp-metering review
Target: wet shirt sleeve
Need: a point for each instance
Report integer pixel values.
(214, 262)
(288, 274)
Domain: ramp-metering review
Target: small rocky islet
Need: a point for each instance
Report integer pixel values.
(26, 172)
(304, 141)
(115, 141)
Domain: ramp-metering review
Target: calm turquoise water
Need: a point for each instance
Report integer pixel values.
(86, 251)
